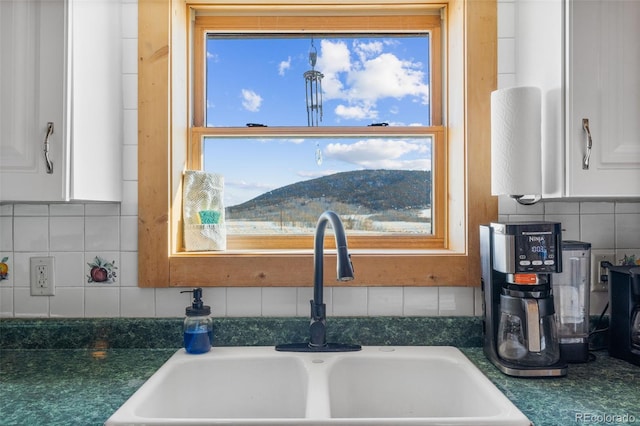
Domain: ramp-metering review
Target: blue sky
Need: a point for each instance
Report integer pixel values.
(366, 80)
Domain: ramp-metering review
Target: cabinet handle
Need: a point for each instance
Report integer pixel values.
(587, 155)
(47, 160)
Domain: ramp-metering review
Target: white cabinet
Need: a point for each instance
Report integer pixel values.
(585, 56)
(32, 82)
(60, 64)
(603, 88)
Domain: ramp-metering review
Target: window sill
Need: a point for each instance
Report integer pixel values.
(293, 268)
(306, 252)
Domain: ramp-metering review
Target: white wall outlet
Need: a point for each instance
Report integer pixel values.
(41, 271)
(599, 274)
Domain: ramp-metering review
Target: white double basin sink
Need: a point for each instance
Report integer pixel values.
(402, 385)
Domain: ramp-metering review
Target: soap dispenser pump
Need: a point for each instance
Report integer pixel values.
(198, 325)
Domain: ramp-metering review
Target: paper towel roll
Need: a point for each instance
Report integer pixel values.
(516, 141)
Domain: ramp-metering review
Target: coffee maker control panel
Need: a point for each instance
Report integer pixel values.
(536, 253)
(532, 247)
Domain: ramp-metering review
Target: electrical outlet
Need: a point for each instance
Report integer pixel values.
(42, 276)
(600, 274)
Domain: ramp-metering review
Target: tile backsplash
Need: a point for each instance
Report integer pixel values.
(83, 236)
(76, 235)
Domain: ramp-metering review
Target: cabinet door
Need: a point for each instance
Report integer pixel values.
(95, 130)
(603, 87)
(32, 82)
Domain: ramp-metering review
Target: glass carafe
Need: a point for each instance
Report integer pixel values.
(527, 331)
(549, 344)
(512, 345)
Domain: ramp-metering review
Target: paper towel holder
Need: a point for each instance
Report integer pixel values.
(516, 144)
(526, 200)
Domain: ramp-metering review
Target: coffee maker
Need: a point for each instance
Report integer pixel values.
(624, 323)
(519, 328)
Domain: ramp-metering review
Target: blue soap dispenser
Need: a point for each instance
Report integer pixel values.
(198, 325)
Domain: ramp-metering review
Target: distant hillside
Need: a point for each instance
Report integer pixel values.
(356, 192)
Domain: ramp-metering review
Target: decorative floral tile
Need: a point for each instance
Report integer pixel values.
(102, 271)
(5, 268)
(629, 259)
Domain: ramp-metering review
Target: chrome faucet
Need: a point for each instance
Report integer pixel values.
(318, 324)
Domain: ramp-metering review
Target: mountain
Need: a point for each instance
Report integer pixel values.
(361, 191)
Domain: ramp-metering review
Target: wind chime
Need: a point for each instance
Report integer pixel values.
(313, 89)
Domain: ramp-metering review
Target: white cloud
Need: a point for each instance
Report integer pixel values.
(358, 112)
(316, 173)
(237, 192)
(242, 184)
(334, 59)
(284, 66)
(374, 75)
(251, 101)
(367, 50)
(295, 141)
(387, 76)
(381, 154)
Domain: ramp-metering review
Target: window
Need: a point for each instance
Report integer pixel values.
(456, 129)
(280, 186)
(362, 77)
(377, 175)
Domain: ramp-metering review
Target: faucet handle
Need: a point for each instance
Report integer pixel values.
(318, 311)
(317, 326)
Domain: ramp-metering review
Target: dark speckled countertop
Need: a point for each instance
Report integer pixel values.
(604, 387)
(71, 386)
(78, 372)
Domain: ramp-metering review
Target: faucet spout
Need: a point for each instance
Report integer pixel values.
(344, 267)
(344, 270)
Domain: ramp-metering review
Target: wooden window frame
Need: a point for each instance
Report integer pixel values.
(163, 124)
(235, 21)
